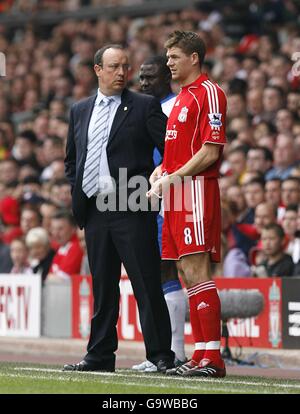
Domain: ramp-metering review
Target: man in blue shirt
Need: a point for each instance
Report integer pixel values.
(155, 79)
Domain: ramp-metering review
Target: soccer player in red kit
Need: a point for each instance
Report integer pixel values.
(194, 143)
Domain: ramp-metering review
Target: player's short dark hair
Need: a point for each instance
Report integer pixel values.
(188, 42)
(98, 57)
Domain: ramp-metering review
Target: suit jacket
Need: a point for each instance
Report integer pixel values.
(138, 127)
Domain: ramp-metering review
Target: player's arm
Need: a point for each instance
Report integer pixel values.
(204, 158)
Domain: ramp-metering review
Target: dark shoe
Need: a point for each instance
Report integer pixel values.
(187, 366)
(86, 366)
(163, 366)
(178, 362)
(207, 369)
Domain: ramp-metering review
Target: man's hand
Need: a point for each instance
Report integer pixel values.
(157, 173)
(158, 187)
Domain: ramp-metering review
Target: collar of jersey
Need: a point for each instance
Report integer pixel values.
(203, 77)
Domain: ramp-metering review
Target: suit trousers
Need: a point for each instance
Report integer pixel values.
(131, 238)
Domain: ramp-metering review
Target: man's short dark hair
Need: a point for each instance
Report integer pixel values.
(268, 156)
(98, 58)
(258, 180)
(56, 140)
(64, 214)
(292, 207)
(161, 62)
(293, 179)
(188, 42)
(29, 135)
(277, 228)
(60, 182)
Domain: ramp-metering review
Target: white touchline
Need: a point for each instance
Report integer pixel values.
(135, 384)
(165, 377)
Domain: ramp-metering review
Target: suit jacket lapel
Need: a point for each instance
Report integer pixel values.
(121, 114)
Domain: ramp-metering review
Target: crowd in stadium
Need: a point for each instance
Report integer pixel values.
(46, 72)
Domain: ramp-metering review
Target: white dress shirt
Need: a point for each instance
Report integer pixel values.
(106, 184)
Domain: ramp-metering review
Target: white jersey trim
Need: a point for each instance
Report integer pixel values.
(213, 99)
(197, 122)
(197, 205)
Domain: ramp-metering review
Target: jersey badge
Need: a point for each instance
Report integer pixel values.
(183, 114)
(215, 120)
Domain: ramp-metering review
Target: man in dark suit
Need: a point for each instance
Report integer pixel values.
(109, 134)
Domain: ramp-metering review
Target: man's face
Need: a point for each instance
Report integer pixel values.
(273, 192)
(256, 161)
(271, 242)
(113, 72)
(290, 192)
(180, 64)
(263, 216)
(29, 220)
(61, 231)
(254, 195)
(289, 223)
(151, 80)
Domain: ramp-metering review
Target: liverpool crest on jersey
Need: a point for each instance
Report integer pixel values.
(215, 120)
(183, 114)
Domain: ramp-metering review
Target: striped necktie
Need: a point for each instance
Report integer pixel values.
(98, 137)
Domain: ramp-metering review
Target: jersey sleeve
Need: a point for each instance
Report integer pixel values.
(213, 115)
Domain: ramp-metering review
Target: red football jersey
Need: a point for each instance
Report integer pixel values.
(198, 116)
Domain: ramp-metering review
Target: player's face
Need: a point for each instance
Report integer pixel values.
(151, 80)
(180, 64)
(113, 72)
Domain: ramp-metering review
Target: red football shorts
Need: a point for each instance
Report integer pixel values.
(192, 219)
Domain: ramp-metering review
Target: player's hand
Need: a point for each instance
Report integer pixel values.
(156, 175)
(159, 187)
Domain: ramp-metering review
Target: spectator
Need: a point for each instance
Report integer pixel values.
(60, 193)
(67, 260)
(254, 192)
(293, 102)
(40, 252)
(265, 214)
(23, 150)
(284, 157)
(254, 102)
(284, 121)
(47, 211)
(53, 149)
(19, 253)
(290, 191)
(273, 191)
(259, 159)
(30, 218)
(277, 263)
(273, 99)
(289, 225)
(6, 263)
(237, 162)
(9, 171)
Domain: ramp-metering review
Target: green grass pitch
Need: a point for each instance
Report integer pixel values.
(21, 378)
